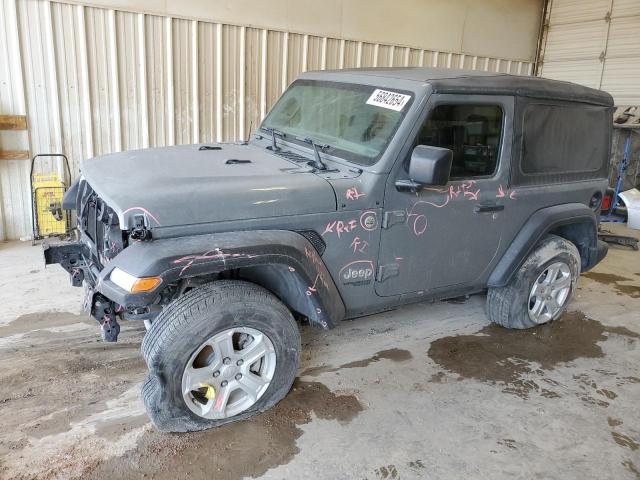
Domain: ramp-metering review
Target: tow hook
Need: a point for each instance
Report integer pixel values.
(109, 329)
(104, 312)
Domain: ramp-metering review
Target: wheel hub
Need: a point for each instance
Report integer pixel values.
(228, 373)
(549, 293)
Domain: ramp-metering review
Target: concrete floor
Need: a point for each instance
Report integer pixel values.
(429, 391)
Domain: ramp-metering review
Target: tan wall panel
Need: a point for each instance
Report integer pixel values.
(103, 88)
(279, 47)
(333, 53)
(69, 45)
(231, 89)
(253, 78)
(208, 100)
(130, 81)
(157, 71)
(438, 24)
(183, 81)
(502, 28)
(322, 18)
(463, 26)
(314, 53)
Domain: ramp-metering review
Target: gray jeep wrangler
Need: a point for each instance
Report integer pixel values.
(361, 191)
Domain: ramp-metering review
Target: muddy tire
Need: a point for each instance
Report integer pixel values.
(541, 289)
(203, 337)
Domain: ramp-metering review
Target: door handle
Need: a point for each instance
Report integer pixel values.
(488, 208)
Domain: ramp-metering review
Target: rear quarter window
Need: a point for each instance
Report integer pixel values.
(565, 139)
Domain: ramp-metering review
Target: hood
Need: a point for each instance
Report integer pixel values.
(184, 185)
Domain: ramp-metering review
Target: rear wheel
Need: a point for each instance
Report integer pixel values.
(221, 353)
(541, 289)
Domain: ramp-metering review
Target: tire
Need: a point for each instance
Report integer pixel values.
(208, 312)
(515, 305)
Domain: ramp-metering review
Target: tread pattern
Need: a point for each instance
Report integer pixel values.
(499, 304)
(171, 325)
(175, 318)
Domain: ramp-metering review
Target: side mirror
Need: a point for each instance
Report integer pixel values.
(428, 166)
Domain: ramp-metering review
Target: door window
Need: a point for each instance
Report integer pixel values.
(471, 132)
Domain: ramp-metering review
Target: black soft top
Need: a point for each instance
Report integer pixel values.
(473, 81)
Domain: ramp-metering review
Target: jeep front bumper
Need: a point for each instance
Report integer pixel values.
(104, 300)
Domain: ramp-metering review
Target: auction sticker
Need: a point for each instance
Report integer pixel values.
(386, 99)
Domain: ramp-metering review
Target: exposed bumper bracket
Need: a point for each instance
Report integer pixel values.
(70, 256)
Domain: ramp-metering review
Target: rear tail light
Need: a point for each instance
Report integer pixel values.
(607, 202)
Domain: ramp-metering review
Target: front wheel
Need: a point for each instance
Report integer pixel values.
(541, 289)
(221, 353)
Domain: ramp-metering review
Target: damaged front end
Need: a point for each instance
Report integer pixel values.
(100, 241)
(75, 258)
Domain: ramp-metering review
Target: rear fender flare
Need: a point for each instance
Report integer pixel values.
(282, 261)
(542, 222)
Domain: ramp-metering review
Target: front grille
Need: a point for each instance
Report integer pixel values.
(99, 223)
(86, 210)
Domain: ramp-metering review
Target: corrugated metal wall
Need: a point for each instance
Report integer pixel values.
(14, 186)
(93, 81)
(595, 43)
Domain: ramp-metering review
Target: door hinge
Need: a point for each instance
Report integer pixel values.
(392, 218)
(387, 271)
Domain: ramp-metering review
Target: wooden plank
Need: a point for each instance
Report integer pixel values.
(13, 122)
(14, 155)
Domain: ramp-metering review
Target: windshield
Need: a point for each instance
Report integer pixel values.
(355, 121)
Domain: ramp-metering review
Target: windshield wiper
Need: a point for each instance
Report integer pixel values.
(274, 132)
(318, 163)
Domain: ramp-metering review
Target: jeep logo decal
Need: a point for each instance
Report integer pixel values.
(359, 272)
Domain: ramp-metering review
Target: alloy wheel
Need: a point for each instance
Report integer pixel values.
(550, 292)
(228, 373)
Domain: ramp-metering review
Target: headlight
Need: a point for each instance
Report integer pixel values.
(133, 284)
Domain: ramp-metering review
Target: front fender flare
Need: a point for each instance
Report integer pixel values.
(287, 252)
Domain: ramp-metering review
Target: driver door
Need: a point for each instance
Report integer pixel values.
(445, 236)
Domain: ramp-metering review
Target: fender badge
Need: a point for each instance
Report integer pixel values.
(356, 273)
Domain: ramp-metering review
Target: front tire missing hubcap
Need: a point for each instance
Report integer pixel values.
(189, 342)
(244, 360)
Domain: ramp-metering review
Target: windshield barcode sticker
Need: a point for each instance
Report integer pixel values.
(385, 99)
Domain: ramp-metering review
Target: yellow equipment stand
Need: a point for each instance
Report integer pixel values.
(47, 191)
